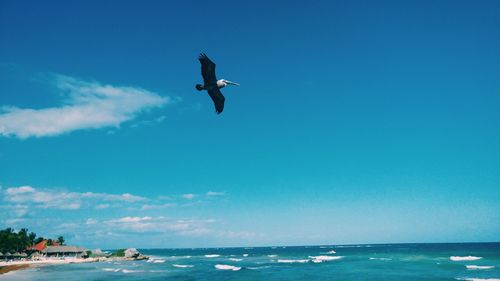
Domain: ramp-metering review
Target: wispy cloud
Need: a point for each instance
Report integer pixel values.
(127, 217)
(87, 105)
(157, 206)
(147, 224)
(20, 200)
(215, 193)
(58, 199)
(189, 196)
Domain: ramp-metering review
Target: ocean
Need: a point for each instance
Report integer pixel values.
(458, 261)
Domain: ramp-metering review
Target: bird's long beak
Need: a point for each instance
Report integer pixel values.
(232, 83)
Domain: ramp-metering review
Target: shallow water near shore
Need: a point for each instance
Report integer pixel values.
(461, 261)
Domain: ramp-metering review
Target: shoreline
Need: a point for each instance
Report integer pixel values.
(19, 265)
(8, 268)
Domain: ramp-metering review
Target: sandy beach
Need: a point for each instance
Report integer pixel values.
(7, 266)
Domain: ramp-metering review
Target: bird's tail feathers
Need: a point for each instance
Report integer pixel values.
(199, 87)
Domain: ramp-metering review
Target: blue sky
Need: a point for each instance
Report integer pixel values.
(355, 122)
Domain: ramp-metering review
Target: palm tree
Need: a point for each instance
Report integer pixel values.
(32, 237)
(61, 241)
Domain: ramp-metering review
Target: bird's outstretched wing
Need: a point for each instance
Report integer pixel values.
(218, 99)
(207, 69)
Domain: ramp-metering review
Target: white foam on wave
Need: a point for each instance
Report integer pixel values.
(259, 267)
(381, 259)
(183, 265)
(156, 260)
(465, 258)
(245, 255)
(479, 279)
(353, 246)
(331, 252)
(227, 267)
(293, 261)
(479, 267)
(272, 256)
(325, 258)
(131, 271)
(235, 259)
(111, 269)
(212, 256)
(180, 257)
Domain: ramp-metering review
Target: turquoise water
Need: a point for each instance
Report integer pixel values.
(352, 262)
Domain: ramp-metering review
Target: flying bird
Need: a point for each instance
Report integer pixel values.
(211, 84)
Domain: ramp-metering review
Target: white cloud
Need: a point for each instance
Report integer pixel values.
(188, 196)
(102, 206)
(19, 190)
(243, 235)
(131, 219)
(21, 200)
(88, 105)
(64, 200)
(20, 210)
(215, 193)
(157, 206)
(165, 225)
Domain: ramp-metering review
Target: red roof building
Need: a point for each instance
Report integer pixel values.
(40, 246)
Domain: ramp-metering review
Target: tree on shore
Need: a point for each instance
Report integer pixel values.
(60, 239)
(38, 240)
(32, 237)
(11, 242)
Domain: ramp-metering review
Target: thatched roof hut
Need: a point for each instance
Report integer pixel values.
(63, 250)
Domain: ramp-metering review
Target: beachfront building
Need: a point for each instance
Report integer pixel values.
(64, 251)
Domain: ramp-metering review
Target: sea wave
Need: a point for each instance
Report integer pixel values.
(293, 261)
(212, 256)
(245, 255)
(331, 252)
(131, 271)
(465, 258)
(156, 260)
(111, 269)
(235, 259)
(381, 259)
(180, 257)
(318, 259)
(272, 256)
(183, 265)
(479, 279)
(353, 246)
(479, 267)
(227, 267)
(259, 267)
